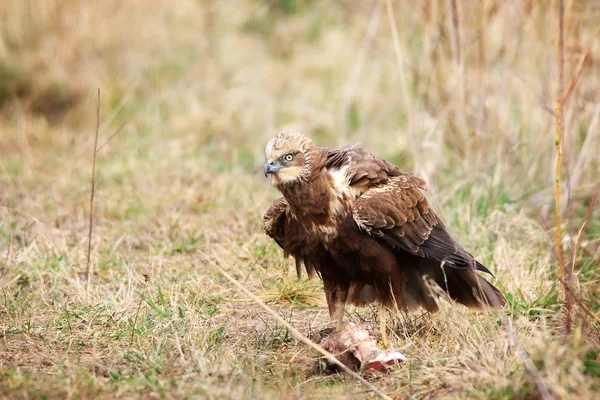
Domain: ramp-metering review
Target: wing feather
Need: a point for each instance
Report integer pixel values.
(363, 169)
(274, 221)
(308, 252)
(293, 239)
(397, 212)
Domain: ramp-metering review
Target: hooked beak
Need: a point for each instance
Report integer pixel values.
(271, 167)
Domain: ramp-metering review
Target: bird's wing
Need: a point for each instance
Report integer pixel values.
(307, 251)
(398, 213)
(363, 170)
(293, 239)
(274, 221)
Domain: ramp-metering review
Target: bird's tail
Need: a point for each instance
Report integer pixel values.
(472, 290)
(464, 286)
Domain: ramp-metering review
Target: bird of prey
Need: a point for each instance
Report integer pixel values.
(367, 230)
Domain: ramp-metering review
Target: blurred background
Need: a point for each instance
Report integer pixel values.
(465, 90)
(461, 92)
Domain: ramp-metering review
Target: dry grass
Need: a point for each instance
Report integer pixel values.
(202, 86)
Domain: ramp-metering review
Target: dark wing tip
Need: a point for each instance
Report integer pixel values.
(481, 267)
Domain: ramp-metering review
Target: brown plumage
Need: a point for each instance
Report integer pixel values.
(366, 229)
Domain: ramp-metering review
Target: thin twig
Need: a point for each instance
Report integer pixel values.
(83, 152)
(575, 80)
(536, 93)
(297, 333)
(112, 136)
(141, 296)
(558, 144)
(89, 249)
(585, 308)
(136, 318)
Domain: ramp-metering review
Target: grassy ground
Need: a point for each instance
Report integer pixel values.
(201, 86)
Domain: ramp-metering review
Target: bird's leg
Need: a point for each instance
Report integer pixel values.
(340, 316)
(383, 327)
(341, 297)
(336, 295)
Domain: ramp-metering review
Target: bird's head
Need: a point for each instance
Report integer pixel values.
(288, 158)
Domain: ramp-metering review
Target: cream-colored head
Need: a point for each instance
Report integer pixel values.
(288, 158)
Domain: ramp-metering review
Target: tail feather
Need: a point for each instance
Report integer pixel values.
(415, 283)
(472, 290)
(464, 286)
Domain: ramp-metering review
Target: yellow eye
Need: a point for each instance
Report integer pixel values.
(288, 157)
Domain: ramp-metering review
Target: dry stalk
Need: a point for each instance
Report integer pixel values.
(137, 312)
(582, 63)
(559, 156)
(112, 136)
(568, 285)
(297, 333)
(585, 308)
(93, 187)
